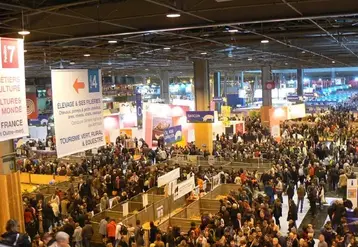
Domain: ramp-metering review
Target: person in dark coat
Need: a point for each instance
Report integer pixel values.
(12, 237)
(277, 211)
(292, 212)
(153, 232)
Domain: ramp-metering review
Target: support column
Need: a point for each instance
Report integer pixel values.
(203, 131)
(299, 82)
(10, 187)
(164, 86)
(217, 89)
(201, 85)
(266, 109)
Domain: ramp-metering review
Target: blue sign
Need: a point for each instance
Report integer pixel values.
(93, 81)
(308, 94)
(138, 102)
(292, 98)
(200, 116)
(173, 134)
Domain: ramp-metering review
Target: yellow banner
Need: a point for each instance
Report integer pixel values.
(226, 112)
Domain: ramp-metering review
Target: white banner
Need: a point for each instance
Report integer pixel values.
(125, 209)
(145, 199)
(78, 110)
(13, 109)
(184, 188)
(171, 187)
(216, 181)
(168, 177)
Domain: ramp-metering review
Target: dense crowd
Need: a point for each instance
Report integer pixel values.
(310, 160)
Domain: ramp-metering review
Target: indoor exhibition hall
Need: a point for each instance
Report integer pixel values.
(178, 123)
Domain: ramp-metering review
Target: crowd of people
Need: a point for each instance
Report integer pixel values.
(310, 159)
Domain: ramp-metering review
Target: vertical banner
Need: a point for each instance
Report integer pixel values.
(352, 191)
(275, 131)
(31, 103)
(138, 102)
(226, 112)
(125, 209)
(145, 199)
(78, 110)
(13, 110)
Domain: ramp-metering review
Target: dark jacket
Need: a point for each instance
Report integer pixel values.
(9, 238)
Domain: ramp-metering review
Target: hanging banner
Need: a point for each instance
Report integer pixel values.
(216, 181)
(171, 187)
(78, 110)
(145, 199)
(31, 103)
(168, 177)
(352, 191)
(173, 134)
(200, 116)
(275, 131)
(13, 110)
(138, 102)
(125, 209)
(226, 112)
(184, 188)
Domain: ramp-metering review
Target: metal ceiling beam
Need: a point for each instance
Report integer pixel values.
(302, 18)
(321, 28)
(46, 11)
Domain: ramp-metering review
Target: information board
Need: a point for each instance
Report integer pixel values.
(13, 109)
(184, 188)
(168, 177)
(78, 110)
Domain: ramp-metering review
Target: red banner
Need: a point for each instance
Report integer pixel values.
(31, 102)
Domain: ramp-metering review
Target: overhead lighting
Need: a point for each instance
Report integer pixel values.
(232, 30)
(126, 75)
(333, 61)
(112, 41)
(303, 52)
(146, 69)
(250, 59)
(173, 15)
(24, 32)
(203, 53)
(72, 63)
(166, 48)
(87, 55)
(265, 41)
(286, 63)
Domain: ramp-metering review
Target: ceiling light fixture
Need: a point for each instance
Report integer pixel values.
(72, 63)
(25, 50)
(250, 59)
(87, 55)
(166, 48)
(286, 63)
(333, 61)
(24, 32)
(233, 30)
(173, 15)
(112, 41)
(303, 52)
(203, 53)
(265, 41)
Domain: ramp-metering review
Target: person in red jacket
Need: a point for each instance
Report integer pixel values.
(111, 232)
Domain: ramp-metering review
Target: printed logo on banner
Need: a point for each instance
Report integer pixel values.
(9, 50)
(93, 81)
(173, 134)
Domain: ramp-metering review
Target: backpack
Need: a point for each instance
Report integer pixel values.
(124, 230)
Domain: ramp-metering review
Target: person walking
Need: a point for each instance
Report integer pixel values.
(111, 232)
(77, 236)
(103, 228)
(301, 192)
(138, 234)
(292, 212)
(277, 211)
(87, 233)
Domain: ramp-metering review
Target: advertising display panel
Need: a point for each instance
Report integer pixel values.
(78, 113)
(13, 109)
(200, 116)
(173, 134)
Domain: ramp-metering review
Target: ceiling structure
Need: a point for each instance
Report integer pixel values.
(301, 33)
